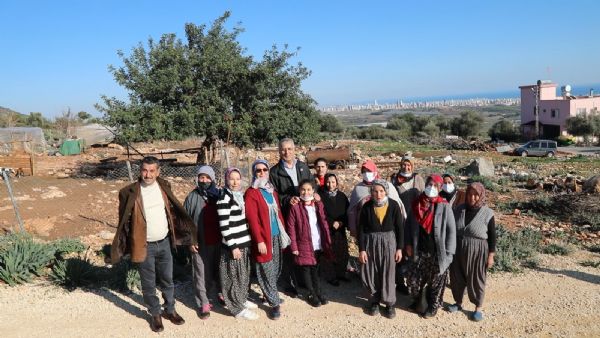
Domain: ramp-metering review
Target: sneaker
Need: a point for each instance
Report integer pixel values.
(430, 313)
(249, 305)
(247, 314)
(323, 300)
(313, 301)
(204, 312)
(477, 316)
(372, 309)
(454, 308)
(275, 312)
(389, 312)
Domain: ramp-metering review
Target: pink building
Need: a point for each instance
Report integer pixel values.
(554, 110)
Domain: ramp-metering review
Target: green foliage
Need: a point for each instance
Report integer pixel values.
(377, 133)
(330, 124)
(74, 272)
(124, 276)
(590, 219)
(208, 86)
(410, 124)
(504, 130)
(67, 245)
(563, 140)
(515, 250)
(468, 124)
(21, 258)
(590, 263)
(594, 248)
(556, 250)
(487, 182)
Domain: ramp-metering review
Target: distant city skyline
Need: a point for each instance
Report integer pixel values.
(55, 54)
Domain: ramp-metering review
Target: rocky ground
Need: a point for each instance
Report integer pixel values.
(558, 299)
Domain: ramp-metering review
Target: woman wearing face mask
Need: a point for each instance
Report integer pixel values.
(451, 193)
(362, 194)
(234, 265)
(431, 246)
(307, 227)
(267, 233)
(201, 205)
(476, 236)
(408, 183)
(380, 242)
(336, 208)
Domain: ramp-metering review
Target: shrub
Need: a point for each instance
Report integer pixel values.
(504, 130)
(556, 250)
(21, 258)
(515, 250)
(591, 264)
(588, 219)
(67, 245)
(74, 272)
(594, 248)
(124, 276)
(487, 182)
(565, 140)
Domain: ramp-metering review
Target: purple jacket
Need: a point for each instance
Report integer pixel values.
(298, 228)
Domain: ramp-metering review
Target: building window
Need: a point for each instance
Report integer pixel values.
(555, 113)
(581, 111)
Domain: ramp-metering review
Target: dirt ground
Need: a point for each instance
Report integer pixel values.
(559, 299)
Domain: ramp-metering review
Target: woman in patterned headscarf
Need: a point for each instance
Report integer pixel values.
(267, 233)
(476, 238)
(431, 244)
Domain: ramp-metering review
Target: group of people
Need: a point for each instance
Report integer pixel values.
(412, 233)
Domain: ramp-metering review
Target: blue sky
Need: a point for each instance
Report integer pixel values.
(54, 54)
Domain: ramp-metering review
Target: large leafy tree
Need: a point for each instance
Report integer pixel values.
(207, 86)
(469, 123)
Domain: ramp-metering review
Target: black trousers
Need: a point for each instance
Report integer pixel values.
(158, 266)
(310, 276)
(288, 278)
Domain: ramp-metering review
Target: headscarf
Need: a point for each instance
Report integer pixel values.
(480, 191)
(334, 192)
(370, 165)
(384, 184)
(399, 177)
(238, 195)
(261, 183)
(446, 195)
(424, 207)
(210, 192)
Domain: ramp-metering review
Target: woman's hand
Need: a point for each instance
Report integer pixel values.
(398, 256)
(295, 253)
(262, 248)
(490, 260)
(236, 253)
(336, 225)
(409, 250)
(362, 257)
(194, 248)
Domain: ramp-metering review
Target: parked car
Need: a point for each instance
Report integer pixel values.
(537, 148)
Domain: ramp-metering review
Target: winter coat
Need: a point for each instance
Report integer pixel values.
(204, 214)
(130, 237)
(259, 223)
(298, 228)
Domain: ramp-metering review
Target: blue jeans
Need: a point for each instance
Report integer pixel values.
(158, 266)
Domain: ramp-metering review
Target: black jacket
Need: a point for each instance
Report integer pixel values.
(283, 182)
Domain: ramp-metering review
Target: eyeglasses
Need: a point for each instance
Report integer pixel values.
(264, 170)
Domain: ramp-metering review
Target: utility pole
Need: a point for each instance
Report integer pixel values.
(537, 108)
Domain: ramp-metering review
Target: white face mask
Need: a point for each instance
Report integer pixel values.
(448, 187)
(431, 191)
(307, 198)
(368, 176)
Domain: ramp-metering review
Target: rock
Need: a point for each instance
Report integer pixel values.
(517, 212)
(115, 146)
(62, 175)
(592, 185)
(480, 167)
(106, 235)
(447, 159)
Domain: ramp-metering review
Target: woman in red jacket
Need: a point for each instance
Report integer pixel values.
(310, 239)
(267, 233)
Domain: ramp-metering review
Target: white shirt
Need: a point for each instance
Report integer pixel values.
(315, 234)
(292, 172)
(157, 226)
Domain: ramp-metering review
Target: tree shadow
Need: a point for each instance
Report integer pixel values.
(579, 275)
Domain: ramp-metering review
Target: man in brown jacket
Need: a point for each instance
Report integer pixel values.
(151, 223)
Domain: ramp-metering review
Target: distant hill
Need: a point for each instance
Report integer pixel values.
(4, 110)
(10, 117)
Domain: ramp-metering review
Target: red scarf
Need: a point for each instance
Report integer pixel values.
(321, 181)
(423, 209)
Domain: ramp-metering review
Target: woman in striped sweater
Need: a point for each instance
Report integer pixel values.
(234, 266)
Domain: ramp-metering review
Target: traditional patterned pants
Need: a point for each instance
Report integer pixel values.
(268, 273)
(425, 271)
(235, 276)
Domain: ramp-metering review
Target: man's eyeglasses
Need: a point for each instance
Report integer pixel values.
(264, 170)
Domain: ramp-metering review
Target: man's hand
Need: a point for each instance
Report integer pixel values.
(194, 248)
(262, 248)
(294, 200)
